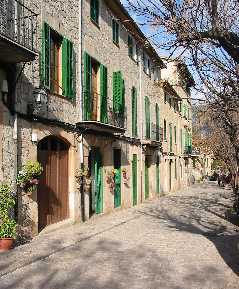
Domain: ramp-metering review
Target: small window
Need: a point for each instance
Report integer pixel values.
(94, 10)
(115, 31)
(130, 46)
(165, 130)
(157, 74)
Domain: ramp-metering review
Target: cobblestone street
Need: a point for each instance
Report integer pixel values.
(180, 241)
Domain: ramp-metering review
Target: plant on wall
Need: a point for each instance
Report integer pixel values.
(28, 176)
(7, 203)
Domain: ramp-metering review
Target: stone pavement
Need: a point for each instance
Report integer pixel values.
(180, 241)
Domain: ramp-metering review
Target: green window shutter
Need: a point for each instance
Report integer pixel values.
(171, 138)
(147, 116)
(87, 109)
(64, 66)
(103, 94)
(157, 121)
(175, 134)
(134, 179)
(134, 112)
(118, 93)
(45, 56)
(94, 10)
(115, 31)
(165, 130)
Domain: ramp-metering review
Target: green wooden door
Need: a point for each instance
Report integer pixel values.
(146, 179)
(117, 178)
(157, 176)
(98, 181)
(134, 179)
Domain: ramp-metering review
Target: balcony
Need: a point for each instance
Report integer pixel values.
(188, 150)
(156, 137)
(96, 121)
(18, 26)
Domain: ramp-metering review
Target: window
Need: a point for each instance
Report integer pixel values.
(147, 117)
(157, 74)
(115, 31)
(175, 135)
(165, 130)
(147, 64)
(94, 11)
(134, 112)
(118, 98)
(175, 169)
(157, 121)
(95, 92)
(130, 46)
(57, 63)
(170, 138)
(133, 48)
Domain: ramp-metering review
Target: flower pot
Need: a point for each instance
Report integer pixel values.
(6, 244)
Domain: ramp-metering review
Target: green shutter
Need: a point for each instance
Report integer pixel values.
(134, 179)
(118, 93)
(157, 121)
(171, 138)
(87, 87)
(103, 94)
(157, 176)
(146, 180)
(134, 112)
(94, 10)
(64, 67)
(175, 134)
(45, 56)
(147, 116)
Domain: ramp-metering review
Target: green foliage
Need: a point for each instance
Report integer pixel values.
(7, 202)
(29, 174)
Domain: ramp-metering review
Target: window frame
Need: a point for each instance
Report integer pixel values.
(115, 31)
(95, 18)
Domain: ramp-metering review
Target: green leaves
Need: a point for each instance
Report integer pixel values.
(7, 202)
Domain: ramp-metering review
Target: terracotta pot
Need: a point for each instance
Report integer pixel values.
(6, 244)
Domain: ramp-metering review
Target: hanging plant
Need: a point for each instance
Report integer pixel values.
(28, 176)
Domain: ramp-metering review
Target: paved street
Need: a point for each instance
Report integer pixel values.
(180, 241)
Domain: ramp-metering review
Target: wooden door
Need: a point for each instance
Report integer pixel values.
(117, 178)
(134, 179)
(170, 175)
(52, 193)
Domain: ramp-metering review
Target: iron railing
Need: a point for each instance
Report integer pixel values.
(156, 132)
(93, 111)
(18, 23)
(188, 150)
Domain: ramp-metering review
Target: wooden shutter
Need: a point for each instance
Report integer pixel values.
(118, 93)
(171, 138)
(64, 67)
(157, 121)
(134, 179)
(87, 87)
(45, 56)
(103, 94)
(134, 112)
(147, 116)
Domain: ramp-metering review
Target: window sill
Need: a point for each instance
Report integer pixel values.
(95, 23)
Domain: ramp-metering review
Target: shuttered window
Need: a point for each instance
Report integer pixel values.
(134, 112)
(118, 93)
(130, 46)
(170, 138)
(51, 79)
(103, 94)
(175, 134)
(165, 130)
(147, 117)
(45, 56)
(87, 87)
(94, 10)
(157, 121)
(115, 31)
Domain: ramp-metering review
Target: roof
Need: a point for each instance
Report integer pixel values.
(118, 9)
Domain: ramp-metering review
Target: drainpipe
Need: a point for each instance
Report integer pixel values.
(141, 127)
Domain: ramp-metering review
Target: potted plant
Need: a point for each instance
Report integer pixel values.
(7, 223)
(28, 176)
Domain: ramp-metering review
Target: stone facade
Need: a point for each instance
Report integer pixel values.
(54, 115)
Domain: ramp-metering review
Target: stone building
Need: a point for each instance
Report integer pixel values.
(107, 118)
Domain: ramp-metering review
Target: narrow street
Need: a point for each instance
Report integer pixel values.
(180, 241)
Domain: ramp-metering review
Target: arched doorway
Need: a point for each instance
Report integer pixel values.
(52, 195)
